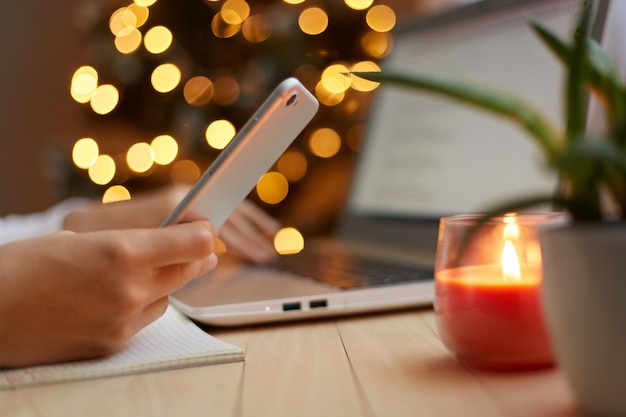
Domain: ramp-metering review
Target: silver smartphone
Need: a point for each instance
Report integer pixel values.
(250, 154)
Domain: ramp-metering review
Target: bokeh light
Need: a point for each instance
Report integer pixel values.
(219, 133)
(256, 28)
(165, 77)
(102, 171)
(198, 91)
(272, 187)
(313, 21)
(293, 165)
(377, 44)
(288, 241)
(335, 78)
(235, 12)
(164, 149)
(226, 90)
(85, 152)
(381, 18)
(128, 42)
(324, 142)
(115, 193)
(140, 157)
(185, 172)
(223, 29)
(158, 39)
(361, 84)
(145, 3)
(104, 99)
(84, 83)
(359, 4)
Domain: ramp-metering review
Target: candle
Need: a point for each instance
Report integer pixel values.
(490, 322)
(487, 292)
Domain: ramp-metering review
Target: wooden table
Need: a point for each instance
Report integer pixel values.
(381, 365)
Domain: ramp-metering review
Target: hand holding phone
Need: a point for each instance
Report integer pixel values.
(253, 151)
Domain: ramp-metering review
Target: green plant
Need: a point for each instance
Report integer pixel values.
(589, 165)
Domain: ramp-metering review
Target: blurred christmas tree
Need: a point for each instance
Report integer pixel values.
(187, 74)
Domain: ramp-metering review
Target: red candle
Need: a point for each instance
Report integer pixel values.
(491, 319)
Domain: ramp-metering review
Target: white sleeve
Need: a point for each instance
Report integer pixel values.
(18, 227)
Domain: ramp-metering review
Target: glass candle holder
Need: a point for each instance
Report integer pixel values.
(487, 290)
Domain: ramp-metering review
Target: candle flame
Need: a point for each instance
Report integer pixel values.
(510, 263)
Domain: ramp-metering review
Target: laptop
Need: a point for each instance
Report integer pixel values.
(423, 157)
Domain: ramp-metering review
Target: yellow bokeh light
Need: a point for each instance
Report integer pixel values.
(104, 99)
(117, 22)
(381, 18)
(288, 241)
(165, 77)
(129, 42)
(256, 28)
(158, 39)
(185, 172)
(219, 133)
(359, 4)
(141, 14)
(377, 44)
(140, 157)
(335, 78)
(313, 21)
(145, 3)
(324, 142)
(164, 149)
(85, 152)
(198, 91)
(226, 91)
(361, 84)
(272, 188)
(84, 83)
(102, 171)
(235, 12)
(115, 193)
(221, 28)
(294, 1)
(326, 97)
(293, 165)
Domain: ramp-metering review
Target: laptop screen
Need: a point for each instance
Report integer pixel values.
(426, 156)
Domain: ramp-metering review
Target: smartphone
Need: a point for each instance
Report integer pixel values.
(250, 154)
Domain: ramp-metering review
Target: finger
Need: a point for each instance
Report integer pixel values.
(181, 243)
(248, 243)
(172, 278)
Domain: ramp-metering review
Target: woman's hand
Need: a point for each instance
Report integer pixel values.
(248, 233)
(69, 296)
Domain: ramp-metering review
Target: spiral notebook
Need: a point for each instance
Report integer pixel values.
(173, 341)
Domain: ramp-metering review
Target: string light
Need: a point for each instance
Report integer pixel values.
(102, 170)
(104, 99)
(164, 149)
(115, 193)
(313, 21)
(158, 39)
(288, 241)
(85, 152)
(165, 77)
(219, 134)
(272, 187)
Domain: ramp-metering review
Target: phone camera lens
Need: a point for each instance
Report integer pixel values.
(292, 100)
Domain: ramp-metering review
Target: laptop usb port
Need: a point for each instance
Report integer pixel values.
(318, 303)
(291, 306)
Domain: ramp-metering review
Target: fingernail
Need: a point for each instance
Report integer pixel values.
(212, 261)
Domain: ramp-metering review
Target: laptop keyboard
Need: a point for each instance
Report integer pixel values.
(348, 270)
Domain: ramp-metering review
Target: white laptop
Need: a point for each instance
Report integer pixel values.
(423, 157)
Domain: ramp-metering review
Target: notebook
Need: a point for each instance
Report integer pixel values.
(173, 341)
(423, 158)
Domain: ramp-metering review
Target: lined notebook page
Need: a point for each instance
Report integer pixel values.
(173, 341)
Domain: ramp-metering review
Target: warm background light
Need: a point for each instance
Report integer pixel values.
(313, 21)
(102, 171)
(115, 193)
(104, 99)
(85, 152)
(381, 18)
(84, 83)
(293, 165)
(198, 91)
(158, 39)
(140, 157)
(272, 188)
(359, 4)
(185, 172)
(324, 142)
(288, 241)
(220, 133)
(164, 149)
(165, 77)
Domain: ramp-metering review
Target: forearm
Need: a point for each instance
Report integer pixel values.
(20, 227)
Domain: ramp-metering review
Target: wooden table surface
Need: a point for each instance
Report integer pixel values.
(384, 365)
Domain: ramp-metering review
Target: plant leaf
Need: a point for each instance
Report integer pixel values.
(482, 97)
(602, 75)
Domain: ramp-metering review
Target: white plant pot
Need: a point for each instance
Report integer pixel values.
(584, 291)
